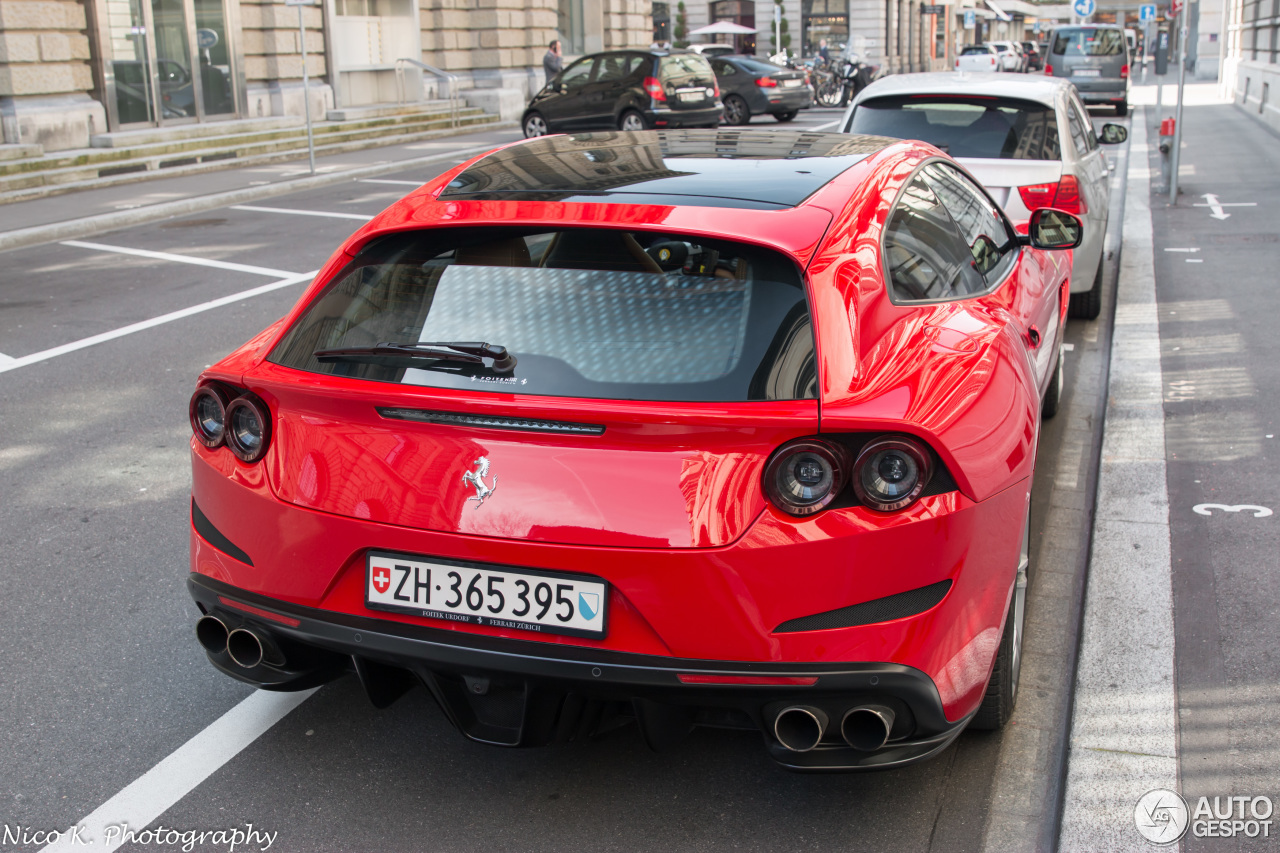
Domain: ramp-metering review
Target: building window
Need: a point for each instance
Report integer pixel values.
(823, 19)
(570, 26)
(661, 23)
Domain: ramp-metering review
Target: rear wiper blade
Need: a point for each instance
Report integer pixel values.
(388, 352)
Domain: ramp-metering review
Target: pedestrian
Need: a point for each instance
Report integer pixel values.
(823, 52)
(553, 62)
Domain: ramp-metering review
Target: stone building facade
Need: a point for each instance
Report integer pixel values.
(74, 69)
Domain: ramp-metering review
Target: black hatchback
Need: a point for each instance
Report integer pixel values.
(627, 90)
(749, 86)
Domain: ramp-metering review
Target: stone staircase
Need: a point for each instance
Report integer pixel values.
(135, 155)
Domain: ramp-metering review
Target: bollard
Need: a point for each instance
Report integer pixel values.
(1167, 128)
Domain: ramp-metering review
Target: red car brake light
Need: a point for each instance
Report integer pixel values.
(1063, 195)
(1048, 69)
(1124, 72)
(802, 477)
(767, 83)
(716, 83)
(654, 88)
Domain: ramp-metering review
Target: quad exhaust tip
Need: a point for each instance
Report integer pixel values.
(245, 647)
(800, 727)
(866, 728)
(211, 633)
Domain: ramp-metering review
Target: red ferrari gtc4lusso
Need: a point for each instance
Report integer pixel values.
(721, 428)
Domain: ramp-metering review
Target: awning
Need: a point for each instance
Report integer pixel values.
(1000, 13)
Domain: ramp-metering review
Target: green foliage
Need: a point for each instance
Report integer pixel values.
(681, 30)
(783, 30)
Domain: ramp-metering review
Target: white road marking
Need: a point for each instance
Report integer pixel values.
(1069, 347)
(825, 126)
(1124, 730)
(292, 212)
(388, 181)
(181, 259)
(45, 355)
(1215, 206)
(5, 359)
(1207, 509)
(1182, 250)
(156, 791)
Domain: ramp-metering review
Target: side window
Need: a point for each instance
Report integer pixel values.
(983, 229)
(1091, 138)
(577, 74)
(634, 61)
(612, 67)
(1078, 134)
(722, 68)
(924, 252)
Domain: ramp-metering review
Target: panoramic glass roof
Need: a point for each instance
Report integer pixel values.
(718, 168)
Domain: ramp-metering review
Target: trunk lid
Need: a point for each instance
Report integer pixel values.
(1003, 177)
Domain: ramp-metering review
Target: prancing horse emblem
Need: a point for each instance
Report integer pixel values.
(476, 478)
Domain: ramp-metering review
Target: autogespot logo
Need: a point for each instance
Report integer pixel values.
(1161, 816)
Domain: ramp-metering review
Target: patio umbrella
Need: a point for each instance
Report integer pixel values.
(723, 28)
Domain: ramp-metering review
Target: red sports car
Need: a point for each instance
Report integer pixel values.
(720, 428)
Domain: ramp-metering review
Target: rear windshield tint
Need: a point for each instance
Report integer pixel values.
(757, 67)
(587, 313)
(1088, 41)
(975, 49)
(996, 128)
(683, 65)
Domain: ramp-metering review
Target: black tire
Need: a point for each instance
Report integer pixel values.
(539, 125)
(1002, 690)
(1122, 108)
(1053, 394)
(736, 111)
(787, 116)
(632, 120)
(1088, 305)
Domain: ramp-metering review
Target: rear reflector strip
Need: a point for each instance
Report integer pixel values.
(258, 611)
(763, 680)
(910, 603)
(491, 421)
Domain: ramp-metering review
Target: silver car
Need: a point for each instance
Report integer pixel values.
(1095, 59)
(1027, 139)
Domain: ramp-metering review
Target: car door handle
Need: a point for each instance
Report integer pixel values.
(1033, 337)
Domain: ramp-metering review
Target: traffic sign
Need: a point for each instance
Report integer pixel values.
(970, 19)
(1084, 8)
(1147, 12)
(206, 38)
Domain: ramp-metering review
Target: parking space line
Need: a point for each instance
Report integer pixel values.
(5, 359)
(388, 181)
(181, 259)
(156, 791)
(45, 355)
(360, 216)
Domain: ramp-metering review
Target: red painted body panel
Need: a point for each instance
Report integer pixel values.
(667, 504)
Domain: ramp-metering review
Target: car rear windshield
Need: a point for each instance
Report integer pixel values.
(995, 128)
(1088, 41)
(606, 314)
(684, 65)
(755, 66)
(975, 49)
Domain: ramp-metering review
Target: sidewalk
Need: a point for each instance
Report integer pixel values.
(80, 213)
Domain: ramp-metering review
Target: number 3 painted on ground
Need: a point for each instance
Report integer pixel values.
(1207, 509)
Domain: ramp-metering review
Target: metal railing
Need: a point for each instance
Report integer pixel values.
(455, 110)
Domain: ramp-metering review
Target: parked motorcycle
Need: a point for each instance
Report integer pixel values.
(855, 75)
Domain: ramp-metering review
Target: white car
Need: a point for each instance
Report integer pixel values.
(978, 58)
(1010, 55)
(1027, 139)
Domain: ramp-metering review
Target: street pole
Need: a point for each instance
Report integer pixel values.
(1177, 115)
(306, 92)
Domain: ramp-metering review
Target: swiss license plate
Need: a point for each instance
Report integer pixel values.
(695, 95)
(1086, 72)
(789, 84)
(528, 599)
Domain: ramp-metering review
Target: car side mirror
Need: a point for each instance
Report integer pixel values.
(1113, 134)
(1053, 229)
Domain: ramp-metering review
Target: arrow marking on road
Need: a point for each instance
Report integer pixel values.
(1215, 206)
(1207, 509)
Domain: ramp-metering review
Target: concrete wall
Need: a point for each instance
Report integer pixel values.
(271, 46)
(1256, 88)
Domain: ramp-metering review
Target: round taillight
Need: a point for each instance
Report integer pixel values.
(890, 473)
(248, 428)
(803, 477)
(208, 413)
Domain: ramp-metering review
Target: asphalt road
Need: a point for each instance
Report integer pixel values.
(104, 678)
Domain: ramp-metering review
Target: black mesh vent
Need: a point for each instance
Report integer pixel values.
(898, 606)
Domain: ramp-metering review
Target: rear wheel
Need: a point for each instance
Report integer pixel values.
(534, 125)
(1002, 690)
(1088, 305)
(632, 120)
(787, 116)
(1122, 108)
(736, 111)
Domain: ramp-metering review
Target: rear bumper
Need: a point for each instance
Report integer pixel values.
(663, 117)
(535, 693)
